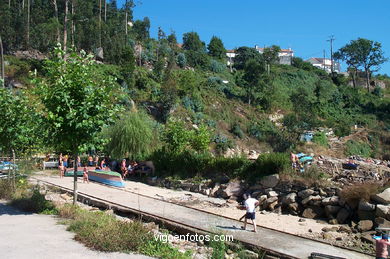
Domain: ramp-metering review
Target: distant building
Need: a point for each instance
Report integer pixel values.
(325, 64)
(285, 55)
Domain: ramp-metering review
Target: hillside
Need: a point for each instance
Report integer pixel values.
(254, 104)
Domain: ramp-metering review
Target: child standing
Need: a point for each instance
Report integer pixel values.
(61, 168)
(85, 176)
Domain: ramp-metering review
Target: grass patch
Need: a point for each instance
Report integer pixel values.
(104, 232)
(358, 148)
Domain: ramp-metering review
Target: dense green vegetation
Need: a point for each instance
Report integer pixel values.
(176, 104)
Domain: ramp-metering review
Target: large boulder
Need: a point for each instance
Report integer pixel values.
(270, 181)
(331, 210)
(366, 215)
(305, 193)
(233, 188)
(383, 211)
(342, 216)
(366, 206)
(365, 225)
(334, 200)
(383, 197)
(289, 198)
(313, 212)
(272, 194)
(382, 223)
(311, 198)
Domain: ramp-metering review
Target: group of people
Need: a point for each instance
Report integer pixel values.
(295, 162)
(126, 167)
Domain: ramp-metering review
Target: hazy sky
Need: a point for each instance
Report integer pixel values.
(303, 25)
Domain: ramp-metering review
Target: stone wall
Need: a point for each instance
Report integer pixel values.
(297, 199)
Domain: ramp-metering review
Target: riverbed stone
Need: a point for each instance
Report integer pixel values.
(366, 206)
(270, 181)
(365, 225)
(331, 210)
(305, 193)
(383, 197)
(289, 198)
(383, 211)
(342, 216)
(313, 212)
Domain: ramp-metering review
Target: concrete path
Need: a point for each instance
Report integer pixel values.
(24, 235)
(280, 242)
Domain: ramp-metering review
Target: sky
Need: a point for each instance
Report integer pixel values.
(303, 25)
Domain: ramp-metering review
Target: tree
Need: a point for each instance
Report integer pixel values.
(363, 53)
(191, 41)
(253, 76)
(271, 54)
(181, 60)
(216, 48)
(76, 102)
(2, 74)
(18, 123)
(141, 29)
(244, 54)
(172, 39)
(132, 136)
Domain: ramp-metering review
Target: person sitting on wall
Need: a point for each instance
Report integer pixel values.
(103, 165)
(123, 168)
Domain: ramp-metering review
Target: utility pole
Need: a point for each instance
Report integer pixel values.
(331, 39)
(323, 61)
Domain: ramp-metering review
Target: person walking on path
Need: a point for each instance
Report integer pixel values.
(381, 247)
(250, 205)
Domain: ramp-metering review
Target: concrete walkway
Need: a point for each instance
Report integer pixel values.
(24, 235)
(280, 242)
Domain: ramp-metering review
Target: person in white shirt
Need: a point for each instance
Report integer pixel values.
(250, 205)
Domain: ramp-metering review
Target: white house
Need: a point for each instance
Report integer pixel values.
(285, 55)
(231, 54)
(325, 64)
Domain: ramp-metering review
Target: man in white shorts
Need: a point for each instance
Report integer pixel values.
(250, 205)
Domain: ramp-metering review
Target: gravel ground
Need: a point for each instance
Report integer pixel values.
(25, 235)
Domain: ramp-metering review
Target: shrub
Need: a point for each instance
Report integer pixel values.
(35, 203)
(237, 131)
(232, 167)
(223, 143)
(267, 164)
(201, 138)
(181, 60)
(217, 67)
(320, 139)
(358, 148)
(354, 193)
(186, 164)
(342, 129)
